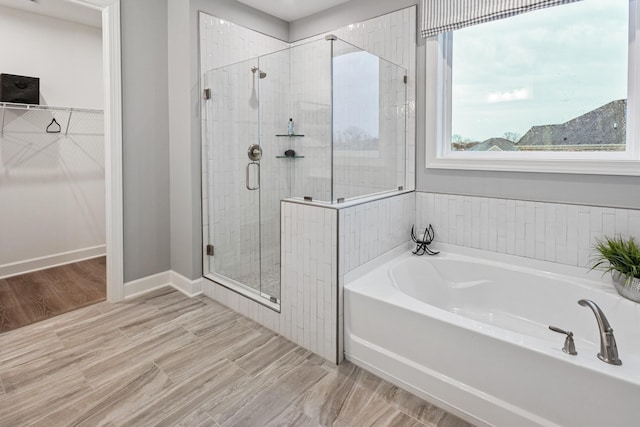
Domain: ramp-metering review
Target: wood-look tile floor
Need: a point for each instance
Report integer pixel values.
(43, 294)
(165, 359)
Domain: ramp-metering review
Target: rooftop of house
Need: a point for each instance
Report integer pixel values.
(603, 126)
(495, 144)
(602, 129)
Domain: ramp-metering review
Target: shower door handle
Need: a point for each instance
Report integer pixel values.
(249, 187)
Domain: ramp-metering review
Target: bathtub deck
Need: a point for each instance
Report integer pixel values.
(164, 359)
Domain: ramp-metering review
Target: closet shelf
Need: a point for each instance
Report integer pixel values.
(12, 106)
(54, 124)
(291, 136)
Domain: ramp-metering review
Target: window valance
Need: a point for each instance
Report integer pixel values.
(439, 16)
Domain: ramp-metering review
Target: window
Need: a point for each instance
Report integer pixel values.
(547, 90)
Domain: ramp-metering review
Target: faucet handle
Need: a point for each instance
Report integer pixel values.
(569, 344)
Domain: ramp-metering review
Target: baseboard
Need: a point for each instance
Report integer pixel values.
(49, 261)
(190, 288)
(147, 284)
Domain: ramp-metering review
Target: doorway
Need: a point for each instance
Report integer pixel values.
(77, 148)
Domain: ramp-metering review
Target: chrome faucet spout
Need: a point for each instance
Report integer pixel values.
(608, 348)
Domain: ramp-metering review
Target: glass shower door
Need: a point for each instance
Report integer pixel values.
(231, 124)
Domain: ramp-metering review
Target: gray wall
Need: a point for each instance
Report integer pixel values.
(618, 191)
(145, 138)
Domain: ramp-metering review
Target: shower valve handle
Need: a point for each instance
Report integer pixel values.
(569, 345)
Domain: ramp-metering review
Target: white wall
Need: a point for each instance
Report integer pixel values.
(66, 56)
(51, 185)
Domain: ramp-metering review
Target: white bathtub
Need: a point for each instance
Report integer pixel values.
(468, 330)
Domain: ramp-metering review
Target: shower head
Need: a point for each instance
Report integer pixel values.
(261, 73)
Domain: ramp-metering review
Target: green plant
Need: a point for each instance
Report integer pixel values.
(618, 254)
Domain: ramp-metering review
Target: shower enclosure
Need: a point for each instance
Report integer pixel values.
(347, 141)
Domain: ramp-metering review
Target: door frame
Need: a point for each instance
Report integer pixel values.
(112, 88)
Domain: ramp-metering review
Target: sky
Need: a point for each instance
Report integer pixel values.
(541, 67)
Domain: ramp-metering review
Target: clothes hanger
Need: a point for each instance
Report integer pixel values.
(54, 122)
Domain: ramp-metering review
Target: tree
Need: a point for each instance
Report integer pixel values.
(512, 136)
(456, 139)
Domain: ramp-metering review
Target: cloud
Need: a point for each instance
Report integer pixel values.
(514, 95)
(557, 63)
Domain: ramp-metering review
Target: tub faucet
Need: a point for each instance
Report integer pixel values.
(608, 349)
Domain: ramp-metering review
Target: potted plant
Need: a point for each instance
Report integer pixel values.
(621, 257)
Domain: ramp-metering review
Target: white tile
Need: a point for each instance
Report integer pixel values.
(467, 221)
(572, 235)
(475, 222)
(530, 229)
(484, 223)
(550, 232)
(609, 222)
(622, 222)
(492, 237)
(596, 219)
(634, 224)
(540, 217)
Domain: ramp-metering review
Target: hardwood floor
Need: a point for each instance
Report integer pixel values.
(164, 359)
(40, 295)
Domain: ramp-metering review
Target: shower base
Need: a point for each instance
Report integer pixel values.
(270, 280)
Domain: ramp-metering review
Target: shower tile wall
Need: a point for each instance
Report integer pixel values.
(371, 229)
(311, 104)
(392, 37)
(319, 246)
(224, 43)
(309, 236)
(367, 231)
(545, 231)
(276, 173)
(308, 314)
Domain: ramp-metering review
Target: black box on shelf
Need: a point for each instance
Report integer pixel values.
(19, 89)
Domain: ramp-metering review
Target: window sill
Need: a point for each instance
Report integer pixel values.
(584, 167)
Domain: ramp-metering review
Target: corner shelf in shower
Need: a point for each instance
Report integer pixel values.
(289, 157)
(291, 136)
